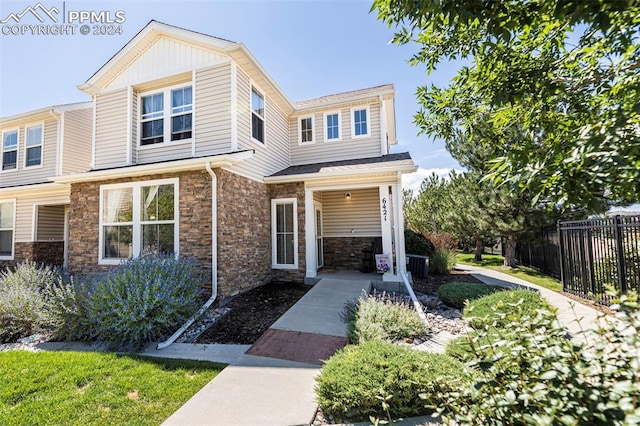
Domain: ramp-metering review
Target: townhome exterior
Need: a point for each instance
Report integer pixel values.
(197, 151)
(36, 146)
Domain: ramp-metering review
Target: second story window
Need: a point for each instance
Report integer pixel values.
(152, 121)
(33, 147)
(305, 130)
(360, 122)
(257, 115)
(181, 106)
(178, 111)
(10, 150)
(332, 124)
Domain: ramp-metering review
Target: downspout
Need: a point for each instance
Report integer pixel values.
(414, 299)
(214, 263)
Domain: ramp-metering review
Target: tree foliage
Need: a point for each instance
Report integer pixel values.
(551, 85)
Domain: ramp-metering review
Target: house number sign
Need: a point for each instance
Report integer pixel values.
(385, 211)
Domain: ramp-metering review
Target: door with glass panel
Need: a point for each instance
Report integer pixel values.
(319, 242)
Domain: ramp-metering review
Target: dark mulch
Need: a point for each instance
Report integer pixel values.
(430, 284)
(252, 313)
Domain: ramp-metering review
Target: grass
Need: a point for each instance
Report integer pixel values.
(91, 388)
(492, 261)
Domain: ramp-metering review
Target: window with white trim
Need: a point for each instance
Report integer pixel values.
(137, 219)
(33, 146)
(284, 233)
(257, 115)
(332, 126)
(10, 150)
(7, 224)
(305, 130)
(360, 122)
(178, 111)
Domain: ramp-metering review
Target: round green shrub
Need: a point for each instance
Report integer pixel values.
(24, 308)
(503, 307)
(455, 294)
(416, 243)
(356, 380)
(145, 300)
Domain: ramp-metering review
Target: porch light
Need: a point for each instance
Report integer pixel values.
(347, 195)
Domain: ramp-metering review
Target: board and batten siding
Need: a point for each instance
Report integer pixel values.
(76, 155)
(361, 213)
(213, 110)
(50, 223)
(111, 129)
(38, 174)
(345, 149)
(25, 209)
(273, 155)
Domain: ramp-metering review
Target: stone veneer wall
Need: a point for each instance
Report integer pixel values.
(292, 190)
(244, 227)
(194, 227)
(345, 253)
(45, 252)
(244, 234)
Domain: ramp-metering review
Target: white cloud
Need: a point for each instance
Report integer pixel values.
(414, 180)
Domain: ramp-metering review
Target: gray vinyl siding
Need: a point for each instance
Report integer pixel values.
(345, 149)
(31, 175)
(317, 197)
(271, 156)
(164, 152)
(50, 225)
(212, 112)
(134, 127)
(111, 129)
(361, 213)
(25, 207)
(77, 141)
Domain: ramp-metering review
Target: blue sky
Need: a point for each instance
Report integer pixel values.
(310, 48)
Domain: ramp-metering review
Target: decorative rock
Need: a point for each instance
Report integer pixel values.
(203, 323)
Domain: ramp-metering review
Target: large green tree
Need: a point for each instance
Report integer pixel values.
(555, 83)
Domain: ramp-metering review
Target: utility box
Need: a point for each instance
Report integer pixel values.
(418, 265)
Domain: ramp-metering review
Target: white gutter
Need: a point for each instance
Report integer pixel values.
(414, 299)
(59, 148)
(214, 263)
(342, 171)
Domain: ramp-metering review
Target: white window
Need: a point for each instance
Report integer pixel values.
(360, 122)
(305, 130)
(257, 115)
(33, 146)
(284, 233)
(7, 223)
(10, 150)
(162, 121)
(332, 126)
(138, 218)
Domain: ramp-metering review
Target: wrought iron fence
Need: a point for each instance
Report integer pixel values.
(596, 253)
(542, 253)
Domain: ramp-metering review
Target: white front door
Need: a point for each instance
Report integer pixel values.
(319, 243)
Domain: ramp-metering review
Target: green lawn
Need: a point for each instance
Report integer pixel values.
(492, 261)
(84, 388)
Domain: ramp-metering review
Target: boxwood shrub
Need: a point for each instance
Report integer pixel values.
(382, 380)
(503, 307)
(456, 293)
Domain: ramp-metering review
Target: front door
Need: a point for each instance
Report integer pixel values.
(319, 243)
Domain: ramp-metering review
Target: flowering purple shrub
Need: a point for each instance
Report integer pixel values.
(145, 299)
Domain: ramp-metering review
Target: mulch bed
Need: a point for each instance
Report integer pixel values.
(430, 284)
(252, 313)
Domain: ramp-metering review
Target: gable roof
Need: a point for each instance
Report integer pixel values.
(156, 30)
(350, 96)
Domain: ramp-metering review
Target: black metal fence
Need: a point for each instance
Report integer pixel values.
(542, 253)
(596, 253)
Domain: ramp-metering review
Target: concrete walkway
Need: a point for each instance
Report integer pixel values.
(575, 316)
(256, 390)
